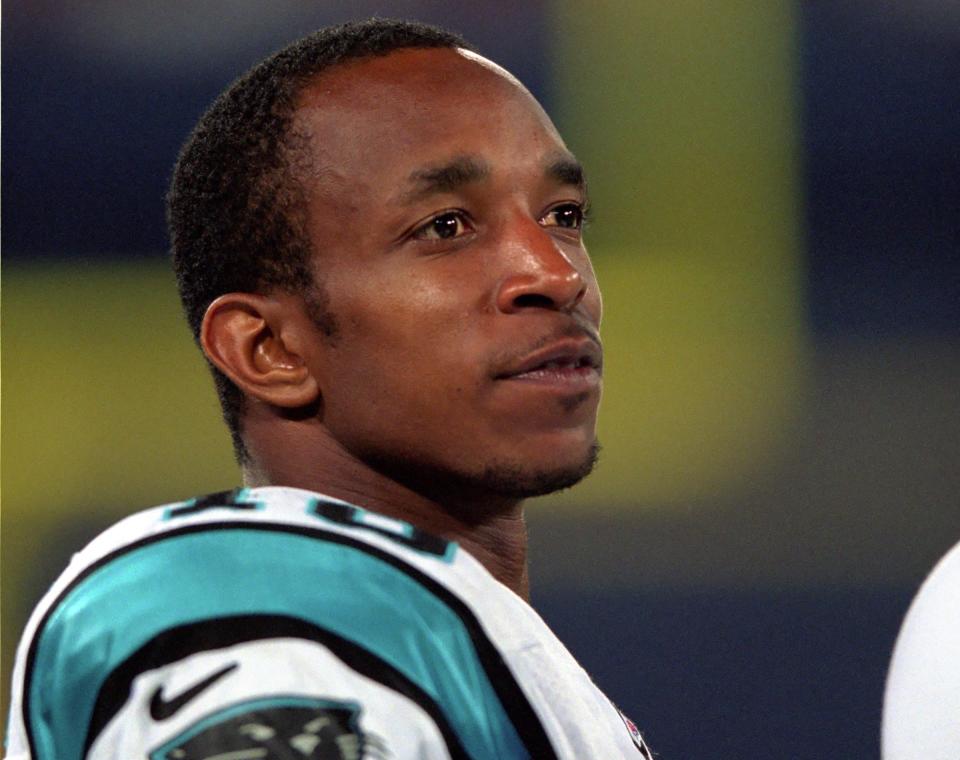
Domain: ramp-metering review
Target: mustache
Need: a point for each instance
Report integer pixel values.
(575, 330)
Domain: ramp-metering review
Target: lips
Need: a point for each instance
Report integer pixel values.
(565, 361)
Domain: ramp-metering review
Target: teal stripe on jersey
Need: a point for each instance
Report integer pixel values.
(201, 575)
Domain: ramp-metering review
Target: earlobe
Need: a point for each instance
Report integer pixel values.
(254, 340)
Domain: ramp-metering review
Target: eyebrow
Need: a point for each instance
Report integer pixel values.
(464, 170)
(567, 170)
(446, 178)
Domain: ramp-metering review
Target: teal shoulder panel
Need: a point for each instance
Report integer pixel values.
(191, 576)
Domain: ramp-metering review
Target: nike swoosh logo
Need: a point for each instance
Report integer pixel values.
(161, 709)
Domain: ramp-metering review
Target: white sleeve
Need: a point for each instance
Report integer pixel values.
(270, 698)
(921, 712)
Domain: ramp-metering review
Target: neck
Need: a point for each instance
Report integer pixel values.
(490, 528)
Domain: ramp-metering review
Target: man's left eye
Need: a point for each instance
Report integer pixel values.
(569, 215)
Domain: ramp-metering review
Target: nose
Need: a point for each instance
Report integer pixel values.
(542, 275)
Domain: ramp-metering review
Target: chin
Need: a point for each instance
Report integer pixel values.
(524, 481)
(508, 480)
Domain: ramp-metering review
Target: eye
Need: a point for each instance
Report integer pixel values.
(445, 226)
(567, 215)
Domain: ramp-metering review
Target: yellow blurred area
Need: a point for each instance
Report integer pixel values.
(107, 404)
(685, 117)
(703, 380)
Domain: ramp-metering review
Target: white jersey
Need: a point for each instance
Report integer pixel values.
(278, 623)
(921, 710)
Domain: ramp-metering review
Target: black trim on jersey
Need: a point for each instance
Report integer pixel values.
(182, 641)
(515, 704)
(346, 514)
(220, 499)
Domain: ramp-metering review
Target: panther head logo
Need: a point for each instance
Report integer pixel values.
(279, 728)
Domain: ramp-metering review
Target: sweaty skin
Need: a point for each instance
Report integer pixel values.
(463, 370)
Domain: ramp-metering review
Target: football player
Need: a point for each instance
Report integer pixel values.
(378, 240)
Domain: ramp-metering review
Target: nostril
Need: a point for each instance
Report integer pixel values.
(533, 301)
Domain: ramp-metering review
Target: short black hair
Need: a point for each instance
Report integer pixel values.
(236, 208)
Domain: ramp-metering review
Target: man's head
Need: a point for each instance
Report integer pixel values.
(404, 274)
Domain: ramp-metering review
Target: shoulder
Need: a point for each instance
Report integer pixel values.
(922, 696)
(246, 549)
(253, 569)
(277, 551)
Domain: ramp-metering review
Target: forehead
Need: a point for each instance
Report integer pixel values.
(383, 115)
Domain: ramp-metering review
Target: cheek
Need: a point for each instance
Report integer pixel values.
(404, 343)
(421, 307)
(393, 393)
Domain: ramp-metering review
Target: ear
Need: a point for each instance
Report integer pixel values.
(259, 342)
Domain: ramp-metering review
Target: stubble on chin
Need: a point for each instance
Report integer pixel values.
(517, 482)
(498, 483)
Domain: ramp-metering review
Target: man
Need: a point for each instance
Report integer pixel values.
(378, 241)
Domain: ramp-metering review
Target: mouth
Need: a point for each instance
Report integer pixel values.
(573, 365)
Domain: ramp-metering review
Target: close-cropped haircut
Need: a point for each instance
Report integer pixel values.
(236, 206)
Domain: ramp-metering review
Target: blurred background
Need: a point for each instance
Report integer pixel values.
(777, 231)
